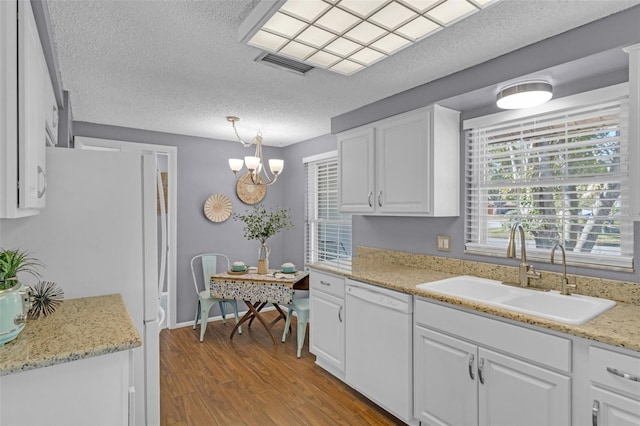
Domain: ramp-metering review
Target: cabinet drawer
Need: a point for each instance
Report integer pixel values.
(608, 368)
(536, 346)
(327, 283)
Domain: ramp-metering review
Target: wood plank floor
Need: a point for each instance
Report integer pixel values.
(248, 381)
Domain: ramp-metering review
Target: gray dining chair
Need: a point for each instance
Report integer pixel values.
(211, 264)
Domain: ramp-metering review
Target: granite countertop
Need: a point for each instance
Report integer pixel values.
(79, 328)
(620, 326)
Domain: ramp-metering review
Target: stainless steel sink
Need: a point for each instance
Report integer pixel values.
(574, 309)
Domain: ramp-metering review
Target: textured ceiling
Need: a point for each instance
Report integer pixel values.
(176, 66)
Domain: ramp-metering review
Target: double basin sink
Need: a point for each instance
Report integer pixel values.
(573, 310)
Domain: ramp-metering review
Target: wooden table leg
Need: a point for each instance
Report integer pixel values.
(281, 315)
(258, 308)
(253, 313)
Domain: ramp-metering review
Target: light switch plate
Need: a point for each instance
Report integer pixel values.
(444, 243)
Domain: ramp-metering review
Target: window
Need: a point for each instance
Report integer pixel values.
(327, 232)
(562, 172)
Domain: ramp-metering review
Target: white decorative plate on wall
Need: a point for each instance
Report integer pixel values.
(217, 208)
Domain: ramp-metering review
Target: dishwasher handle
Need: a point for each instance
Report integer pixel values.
(379, 299)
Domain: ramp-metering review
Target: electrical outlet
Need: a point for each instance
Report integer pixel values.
(444, 243)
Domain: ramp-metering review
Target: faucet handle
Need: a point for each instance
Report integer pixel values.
(532, 273)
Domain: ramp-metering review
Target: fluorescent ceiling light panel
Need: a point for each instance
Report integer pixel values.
(418, 28)
(297, 50)
(451, 10)
(392, 16)
(345, 36)
(323, 59)
(391, 43)
(342, 47)
(365, 33)
(267, 41)
(362, 8)
(284, 25)
(421, 5)
(367, 56)
(309, 10)
(315, 36)
(337, 20)
(347, 67)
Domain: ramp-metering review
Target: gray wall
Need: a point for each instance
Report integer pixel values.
(203, 170)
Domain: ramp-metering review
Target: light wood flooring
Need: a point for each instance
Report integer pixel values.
(248, 381)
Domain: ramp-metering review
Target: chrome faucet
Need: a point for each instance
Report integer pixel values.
(525, 271)
(565, 281)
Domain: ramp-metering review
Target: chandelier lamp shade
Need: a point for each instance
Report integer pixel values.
(255, 163)
(524, 95)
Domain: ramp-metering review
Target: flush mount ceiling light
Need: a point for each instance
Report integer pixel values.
(346, 36)
(524, 94)
(258, 173)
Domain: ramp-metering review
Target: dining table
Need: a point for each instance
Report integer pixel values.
(257, 290)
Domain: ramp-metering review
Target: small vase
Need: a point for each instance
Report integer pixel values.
(263, 258)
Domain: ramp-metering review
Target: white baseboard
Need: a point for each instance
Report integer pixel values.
(229, 316)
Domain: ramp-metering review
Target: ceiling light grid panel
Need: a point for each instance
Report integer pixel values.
(346, 36)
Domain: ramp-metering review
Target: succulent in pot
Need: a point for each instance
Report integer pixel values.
(15, 299)
(13, 261)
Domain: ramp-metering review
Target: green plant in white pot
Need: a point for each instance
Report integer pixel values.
(15, 299)
(14, 261)
(261, 224)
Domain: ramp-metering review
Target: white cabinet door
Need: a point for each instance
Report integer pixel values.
(612, 409)
(445, 379)
(405, 165)
(356, 156)
(514, 393)
(87, 392)
(32, 77)
(403, 149)
(326, 332)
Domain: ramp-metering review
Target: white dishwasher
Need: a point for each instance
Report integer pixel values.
(379, 346)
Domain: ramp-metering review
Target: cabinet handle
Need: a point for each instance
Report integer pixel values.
(480, 369)
(325, 283)
(340, 314)
(623, 374)
(44, 182)
(55, 116)
(380, 198)
(369, 198)
(595, 411)
(471, 359)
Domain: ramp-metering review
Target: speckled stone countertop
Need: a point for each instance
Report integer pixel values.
(79, 328)
(620, 326)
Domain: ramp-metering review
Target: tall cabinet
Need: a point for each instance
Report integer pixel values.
(405, 165)
(29, 112)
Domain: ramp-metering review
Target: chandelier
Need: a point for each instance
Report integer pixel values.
(255, 163)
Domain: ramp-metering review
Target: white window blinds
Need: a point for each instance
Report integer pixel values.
(327, 232)
(563, 174)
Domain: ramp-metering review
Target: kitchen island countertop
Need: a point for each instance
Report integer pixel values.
(620, 326)
(79, 328)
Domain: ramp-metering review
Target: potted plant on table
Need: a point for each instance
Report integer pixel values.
(261, 224)
(15, 299)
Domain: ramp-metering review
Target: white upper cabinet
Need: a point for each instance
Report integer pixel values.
(405, 165)
(30, 113)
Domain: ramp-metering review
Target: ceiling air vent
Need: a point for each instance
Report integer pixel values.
(284, 63)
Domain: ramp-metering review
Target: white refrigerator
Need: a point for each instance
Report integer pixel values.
(98, 235)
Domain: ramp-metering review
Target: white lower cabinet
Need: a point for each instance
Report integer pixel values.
(614, 390)
(327, 322)
(458, 380)
(94, 391)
